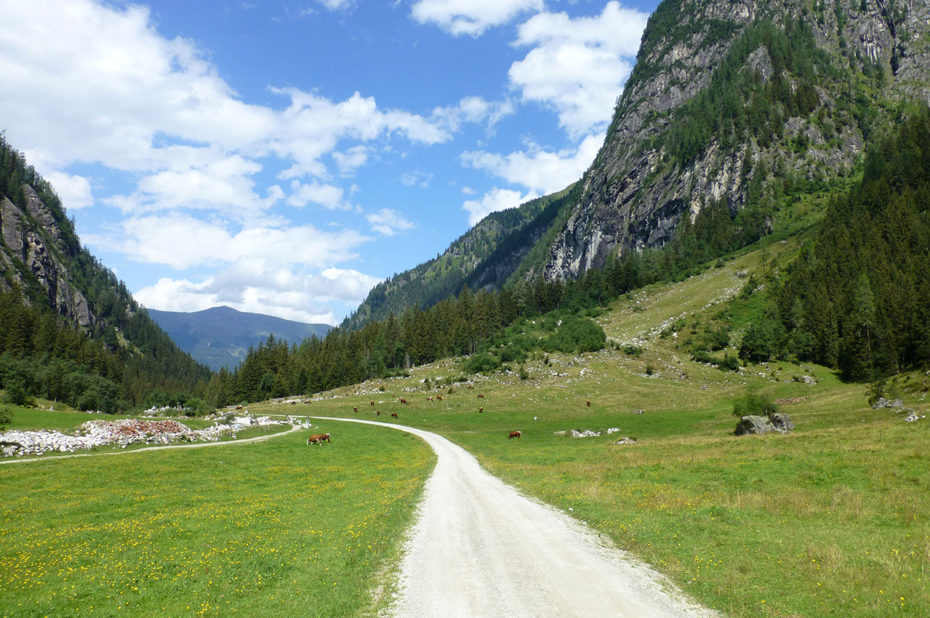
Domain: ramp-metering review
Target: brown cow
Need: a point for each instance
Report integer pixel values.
(403, 401)
(394, 415)
(377, 412)
(372, 404)
(355, 410)
(589, 404)
(514, 434)
(438, 397)
(480, 410)
(480, 396)
(318, 438)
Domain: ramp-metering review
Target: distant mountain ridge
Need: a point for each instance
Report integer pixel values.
(221, 336)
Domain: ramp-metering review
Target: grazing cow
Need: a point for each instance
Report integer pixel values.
(589, 404)
(403, 401)
(514, 434)
(372, 404)
(480, 396)
(355, 410)
(394, 415)
(438, 397)
(429, 398)
(238, 407)
(318, 438)
(480, 410)
(469, 387)
(377, 412)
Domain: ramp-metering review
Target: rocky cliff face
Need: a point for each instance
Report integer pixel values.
(873, 55)
(30, 256)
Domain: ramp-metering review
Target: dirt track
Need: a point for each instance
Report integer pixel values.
(480, 548)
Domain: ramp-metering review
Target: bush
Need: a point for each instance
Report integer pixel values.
(6, 416)
(481, 362)
(754, 405)
(729, 363)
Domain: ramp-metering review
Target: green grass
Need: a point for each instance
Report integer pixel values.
(830, 519)
(268, 528)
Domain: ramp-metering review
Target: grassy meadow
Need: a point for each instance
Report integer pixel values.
(831, 519)
(265, 528)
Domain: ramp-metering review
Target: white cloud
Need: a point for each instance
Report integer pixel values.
(328, 196)
(284, 293)
(351, 160)
(538, 170)
(493, 201)
(416, 179)
(475, 110)
(471, 17)
(105, 87)
(388, 222)
(337, 5)
(578, 66)
(74, 191)
(181, 242)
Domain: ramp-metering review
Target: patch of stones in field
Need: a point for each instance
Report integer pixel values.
(897, 405)
(121, 433)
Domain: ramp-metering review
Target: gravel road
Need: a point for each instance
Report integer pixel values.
(480, 548)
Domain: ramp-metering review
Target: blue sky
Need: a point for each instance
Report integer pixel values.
(284, 157)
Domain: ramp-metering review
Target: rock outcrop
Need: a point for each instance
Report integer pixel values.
(30, 249)
(634, 196)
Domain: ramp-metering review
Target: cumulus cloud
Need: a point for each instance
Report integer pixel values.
(493, 201)
(181, 241)
(474, 110)
(471, 17)
(74, 191)
(389, 222)
(539, 170)
(285, 293)
(578, 66)
(328, 196)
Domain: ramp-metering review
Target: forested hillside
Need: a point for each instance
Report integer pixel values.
(69, 329)
(485, 257)
(749, 104)
(858, 297)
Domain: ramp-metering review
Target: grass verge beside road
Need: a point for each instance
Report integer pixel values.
(268, 528)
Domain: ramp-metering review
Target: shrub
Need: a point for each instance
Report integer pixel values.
(481, 362)
(729, 363)
(6, 416)
(754, 405)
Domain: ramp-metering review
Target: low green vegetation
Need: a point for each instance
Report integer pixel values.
(829, 518)
(266, 528)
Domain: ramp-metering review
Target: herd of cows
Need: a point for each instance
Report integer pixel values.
(324, 437)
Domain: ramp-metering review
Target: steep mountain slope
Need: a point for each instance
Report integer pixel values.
(65, 316)
(740, 102)
(484, 257)
(221, 336)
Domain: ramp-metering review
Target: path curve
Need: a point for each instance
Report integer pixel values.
(480, 548)
(154, 448)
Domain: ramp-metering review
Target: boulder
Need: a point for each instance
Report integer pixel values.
(782, 422)
(761, 424)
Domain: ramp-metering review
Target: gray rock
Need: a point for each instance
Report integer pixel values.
(753, 424)
(782, 422)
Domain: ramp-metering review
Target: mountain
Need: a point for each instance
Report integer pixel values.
(221, 336)
(745, 103)
(69, 329)
(487, 256)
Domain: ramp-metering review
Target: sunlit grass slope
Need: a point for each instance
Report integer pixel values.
(831, 519)
(268, 528)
